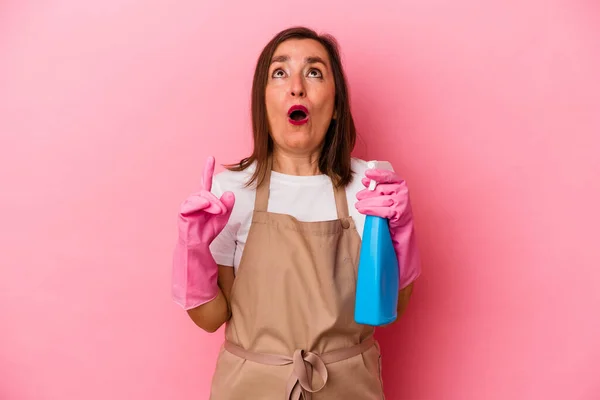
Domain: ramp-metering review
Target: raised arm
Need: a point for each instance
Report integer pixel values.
(199, 285)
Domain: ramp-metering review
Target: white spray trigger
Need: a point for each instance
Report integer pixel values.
(374, 164)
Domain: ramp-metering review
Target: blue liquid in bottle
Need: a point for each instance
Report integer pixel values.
(378, 277)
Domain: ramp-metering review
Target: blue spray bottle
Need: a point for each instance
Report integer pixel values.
(378, 277)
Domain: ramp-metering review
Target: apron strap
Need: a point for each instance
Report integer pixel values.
(341, 202)
(261, 200)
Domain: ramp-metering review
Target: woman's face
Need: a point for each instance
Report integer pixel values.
(300, 96)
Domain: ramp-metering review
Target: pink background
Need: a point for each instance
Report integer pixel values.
(492, 112)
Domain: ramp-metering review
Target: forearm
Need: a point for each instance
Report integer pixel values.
(212, 315)
(403, 299)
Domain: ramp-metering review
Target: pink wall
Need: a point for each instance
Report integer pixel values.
(492, 112)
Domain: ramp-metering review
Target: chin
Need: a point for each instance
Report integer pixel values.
(300, 143)
(298, 139)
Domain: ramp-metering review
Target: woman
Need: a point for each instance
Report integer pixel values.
(279, 267)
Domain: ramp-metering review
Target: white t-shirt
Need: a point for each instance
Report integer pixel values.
(307, 198)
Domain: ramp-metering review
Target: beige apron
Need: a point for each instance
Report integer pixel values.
(292, 333)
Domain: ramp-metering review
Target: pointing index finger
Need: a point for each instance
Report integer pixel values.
(209, 169)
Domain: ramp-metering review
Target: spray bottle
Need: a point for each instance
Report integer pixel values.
(378, 279)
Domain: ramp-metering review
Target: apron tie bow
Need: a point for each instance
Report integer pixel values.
(299, 385)
(300, 381)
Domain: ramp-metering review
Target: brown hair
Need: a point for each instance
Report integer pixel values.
(335, 157)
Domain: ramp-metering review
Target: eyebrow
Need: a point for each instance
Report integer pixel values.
(315, 60)
(307, 60)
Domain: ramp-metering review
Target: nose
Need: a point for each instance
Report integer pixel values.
(297, 87)
(297, 93)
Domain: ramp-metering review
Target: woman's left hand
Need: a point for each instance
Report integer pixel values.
(391, 200)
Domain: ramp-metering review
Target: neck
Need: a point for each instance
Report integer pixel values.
(293, 164)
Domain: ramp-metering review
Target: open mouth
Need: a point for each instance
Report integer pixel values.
(298, 115)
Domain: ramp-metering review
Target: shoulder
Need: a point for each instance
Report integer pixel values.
(359, 166)
(233, 181)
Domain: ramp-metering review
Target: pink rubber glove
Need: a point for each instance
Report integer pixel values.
(391, 200)
(202, 217)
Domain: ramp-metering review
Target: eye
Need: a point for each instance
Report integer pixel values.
(278, 73)
(315, 73)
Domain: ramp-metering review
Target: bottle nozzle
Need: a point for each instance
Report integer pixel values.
(374, 164)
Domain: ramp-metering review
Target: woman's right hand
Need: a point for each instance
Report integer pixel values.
(202, 216)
